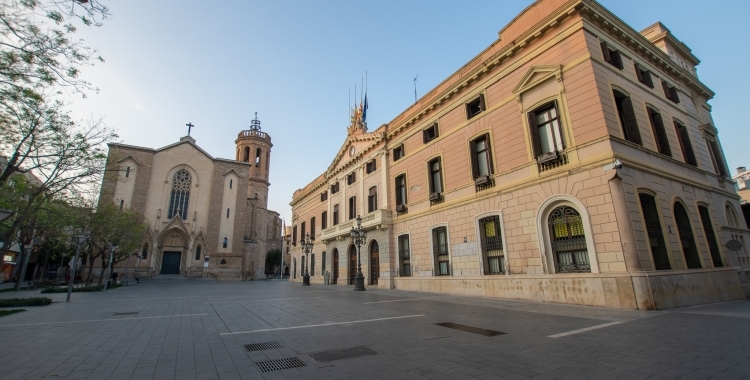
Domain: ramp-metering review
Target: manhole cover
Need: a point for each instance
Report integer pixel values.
(280, 364)
(127, 313)
(475, 330)
(344, 353)
(263, 346)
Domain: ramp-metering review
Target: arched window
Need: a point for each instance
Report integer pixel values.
(225, 242)
(144, 253)
(223, 262)
(685, 231)
(374, 262)
(708, 228)
(247, 154)
(127, 172)
(732, 218)
(654, 231)
(492, 245)
(231, 181)
(257, 157)
(198, 252)
(178, 201)
(568, 240)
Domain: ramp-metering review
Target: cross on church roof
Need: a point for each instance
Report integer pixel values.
(190, 126)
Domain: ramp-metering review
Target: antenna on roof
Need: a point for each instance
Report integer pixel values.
(415, 88)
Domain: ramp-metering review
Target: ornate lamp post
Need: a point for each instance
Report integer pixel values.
(359, 237)
(307, 247)
(78, 239)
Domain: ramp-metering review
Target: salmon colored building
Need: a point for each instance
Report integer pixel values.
(574, 160)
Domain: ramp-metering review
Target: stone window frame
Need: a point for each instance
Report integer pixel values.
(477, 232)
(545, 247)
(397, 197)
(433, 256)
(730, 213)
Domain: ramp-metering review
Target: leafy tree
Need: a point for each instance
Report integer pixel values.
(273, 260)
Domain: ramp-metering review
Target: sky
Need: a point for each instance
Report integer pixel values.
(215, 64)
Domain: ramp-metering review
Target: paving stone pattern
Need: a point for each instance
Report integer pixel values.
(197, 330)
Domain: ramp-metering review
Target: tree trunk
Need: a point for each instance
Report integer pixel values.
(90, 276)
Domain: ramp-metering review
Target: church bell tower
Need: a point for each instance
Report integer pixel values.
(254, 146)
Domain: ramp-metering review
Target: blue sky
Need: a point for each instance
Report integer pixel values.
(214, 64)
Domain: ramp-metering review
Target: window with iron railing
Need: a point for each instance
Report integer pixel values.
(492, 245)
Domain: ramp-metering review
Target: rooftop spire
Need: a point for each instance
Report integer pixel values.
(255, 124)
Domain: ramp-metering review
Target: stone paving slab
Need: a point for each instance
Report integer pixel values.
(197, 331)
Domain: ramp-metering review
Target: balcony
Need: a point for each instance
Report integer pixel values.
(252, 133)
(378, 219)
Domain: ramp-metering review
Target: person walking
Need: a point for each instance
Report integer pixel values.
(114, 278)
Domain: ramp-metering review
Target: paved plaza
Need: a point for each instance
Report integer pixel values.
(198, 330)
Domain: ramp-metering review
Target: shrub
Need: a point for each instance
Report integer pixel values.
(94, 288)
(31, 301)
(9, 312)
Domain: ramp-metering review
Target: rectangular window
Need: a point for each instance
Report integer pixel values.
(312, 228)
(324, 196)
(644, 76)
(440, 251)
(323, 264)
(492, 245)
(403, 256)
(398, 152)
(430, 133)
(475, 107)
(660, 134)
(654, 231)
(481, 157)
(351, 178)
(670, 92)
(312, 264)
(716, 157)
(294, 235)
(302, 232)
(611, 56)
(335, 188)
(687, 148)
(324, 220)
(627, 118)
(546, 132)
(372, 199)
(352, 207)
(335, 214)
(401, 193)
(370, 167)
(436, 181)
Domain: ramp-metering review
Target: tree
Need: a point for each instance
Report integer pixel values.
(273, 261)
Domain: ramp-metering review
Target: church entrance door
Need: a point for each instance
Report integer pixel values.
(170, 263)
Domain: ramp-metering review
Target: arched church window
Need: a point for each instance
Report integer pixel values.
(198, 250)
(144, 253)
(230, 183)
(178, 202)
(127, 172)
(223, 262)
(257, 157)
(122, 203)
(225, 242)
(247, 154)
(568, 240)
(227, 213)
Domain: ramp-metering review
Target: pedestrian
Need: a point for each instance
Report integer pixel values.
(326, 276)
(114, 278)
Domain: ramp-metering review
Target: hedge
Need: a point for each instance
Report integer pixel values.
(9, 312)
(31, 301)
(94, 288)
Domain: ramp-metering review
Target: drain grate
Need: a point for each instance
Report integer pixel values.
(280, 364)
(263, 346)
(127, 313)
(345, 353)
(475, 330)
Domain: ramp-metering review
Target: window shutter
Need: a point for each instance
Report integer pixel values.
(482, 105)
(687, 147)
(437, 130)
(534, 133)
(374, 165)
(648, 80)
(489, 153)
(634, 135)
(638, 73)
(617, 60)
(474, 163)
(425, 135)
(665, 87)
(661, 134)
(718, 157)
(675, 95)
(398, 194)
(605, 51)
(559, 125)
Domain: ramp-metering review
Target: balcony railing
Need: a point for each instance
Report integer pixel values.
(369, 221)
(251, 133)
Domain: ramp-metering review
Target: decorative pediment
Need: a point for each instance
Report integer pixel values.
(709, 130)
(175, 227)
(231, 171)
(537, 75)
(129, 157)
(360, 149)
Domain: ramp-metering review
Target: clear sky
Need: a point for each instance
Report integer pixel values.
(214, 64)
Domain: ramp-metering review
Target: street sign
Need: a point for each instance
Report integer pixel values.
(734, 245)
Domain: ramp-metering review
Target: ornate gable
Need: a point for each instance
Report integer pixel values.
(537, 75)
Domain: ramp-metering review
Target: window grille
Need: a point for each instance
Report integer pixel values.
(654, 231)
(568, 240)
(180, 195)
(492, 245)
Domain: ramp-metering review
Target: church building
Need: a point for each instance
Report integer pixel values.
(573, 160)
(207, 216)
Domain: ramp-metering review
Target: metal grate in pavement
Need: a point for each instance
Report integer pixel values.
(127, 313)
(280, 364)
(345, 353)
(475, 330)
(263, 346)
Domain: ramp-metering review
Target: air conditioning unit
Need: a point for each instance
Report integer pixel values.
(434, 196)
(551, 156)
(482, 179)
(401, 208)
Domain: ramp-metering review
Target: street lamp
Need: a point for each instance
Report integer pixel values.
(359, 237)
(78, 239)
(5, 214)
(307, 247)
(112, 249)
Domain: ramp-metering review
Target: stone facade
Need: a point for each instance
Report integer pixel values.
(574, 160)
(221, 229)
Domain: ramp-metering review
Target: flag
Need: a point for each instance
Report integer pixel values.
(364, 110)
